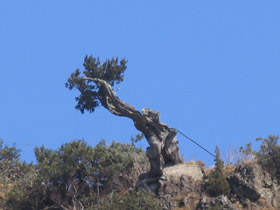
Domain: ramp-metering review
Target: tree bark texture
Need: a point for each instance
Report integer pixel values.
(163, 149)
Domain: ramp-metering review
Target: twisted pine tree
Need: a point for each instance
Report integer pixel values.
(95, 84)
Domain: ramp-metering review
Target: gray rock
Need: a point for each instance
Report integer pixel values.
(176, 185)
(220, 202)
(185, 169)
(250, 183)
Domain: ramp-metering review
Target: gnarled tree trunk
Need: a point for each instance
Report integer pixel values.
(163, 149)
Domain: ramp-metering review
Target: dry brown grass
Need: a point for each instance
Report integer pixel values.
(193, 162)
(193, 200)
(229, 169)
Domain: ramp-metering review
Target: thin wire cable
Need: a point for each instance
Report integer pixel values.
(196, 143)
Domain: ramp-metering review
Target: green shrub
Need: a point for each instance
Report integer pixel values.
(9, 163)
(76, 176)
(268, 155)
(28, 193)
(217, 184)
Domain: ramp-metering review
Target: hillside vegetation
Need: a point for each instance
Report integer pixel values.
(78, 176)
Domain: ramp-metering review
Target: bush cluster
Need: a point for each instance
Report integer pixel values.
(267, 156)
(217, 184)
(75, 176)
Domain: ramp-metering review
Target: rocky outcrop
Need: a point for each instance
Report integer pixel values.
(251, 184)
(196, 170)
(252, 188)
(181, 186)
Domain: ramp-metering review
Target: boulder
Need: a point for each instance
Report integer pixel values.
(195, 170)
(251, 184)
(181, 185)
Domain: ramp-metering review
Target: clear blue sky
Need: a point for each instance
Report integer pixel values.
(211, 68)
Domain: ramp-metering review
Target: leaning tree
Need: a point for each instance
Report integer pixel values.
(95, 84)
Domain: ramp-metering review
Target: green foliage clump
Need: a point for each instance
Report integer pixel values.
(14, 176)
(133, 200)
(76, 176)
(118, 166)
(28, 193)
(217, 184)
(268, 155)
(112, 71)
(9, 163)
